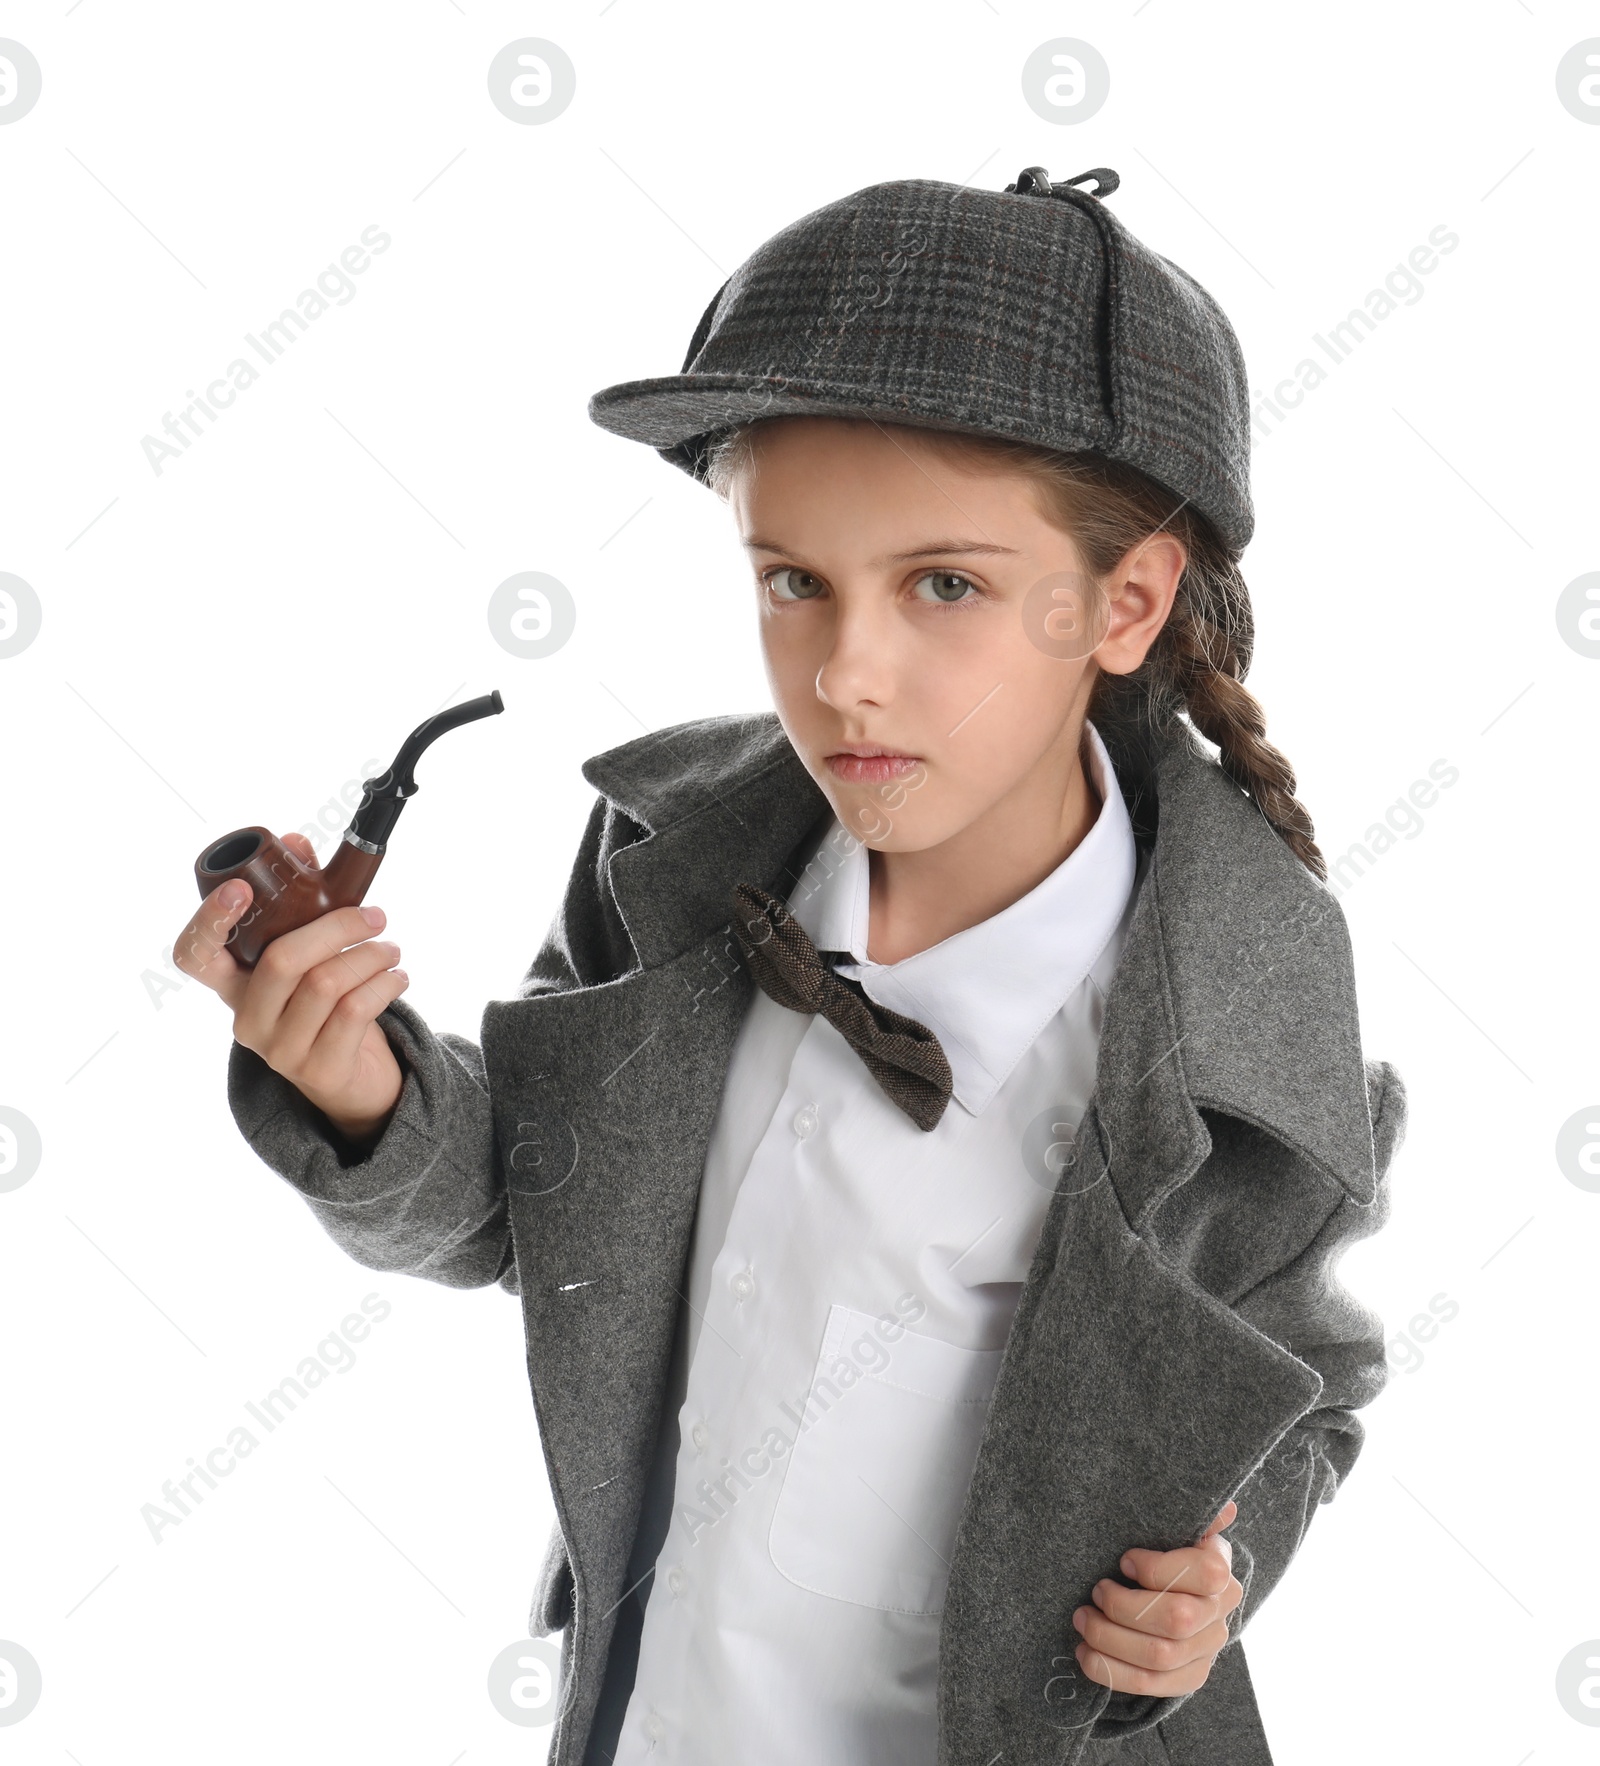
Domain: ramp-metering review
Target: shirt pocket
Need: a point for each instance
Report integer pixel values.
(875, 1482)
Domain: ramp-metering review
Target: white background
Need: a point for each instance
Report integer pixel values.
(234, 640)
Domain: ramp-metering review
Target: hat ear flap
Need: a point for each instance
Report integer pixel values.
(692, 456)
(703, 330)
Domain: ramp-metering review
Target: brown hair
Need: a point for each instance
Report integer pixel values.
(1195, 669)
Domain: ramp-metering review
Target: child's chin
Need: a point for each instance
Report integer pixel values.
(885, 828)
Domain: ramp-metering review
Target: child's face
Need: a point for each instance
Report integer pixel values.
(893, 594)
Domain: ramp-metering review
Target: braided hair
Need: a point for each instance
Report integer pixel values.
(1193, 671)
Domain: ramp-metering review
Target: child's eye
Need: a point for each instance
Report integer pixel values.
(791, 584)
(948, 586)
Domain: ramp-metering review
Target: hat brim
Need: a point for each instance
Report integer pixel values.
(680, 414)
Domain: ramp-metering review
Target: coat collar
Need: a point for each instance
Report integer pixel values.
(1236, 988)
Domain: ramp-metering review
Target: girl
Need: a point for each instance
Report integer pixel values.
(923, 1141)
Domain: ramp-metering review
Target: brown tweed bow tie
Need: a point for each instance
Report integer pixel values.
(902, 1055)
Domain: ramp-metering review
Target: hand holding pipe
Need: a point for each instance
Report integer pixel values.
(285, 891)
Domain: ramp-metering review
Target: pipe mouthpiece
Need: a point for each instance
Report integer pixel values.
(385, 796)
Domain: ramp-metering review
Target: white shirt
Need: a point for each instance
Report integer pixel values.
(852, 1282)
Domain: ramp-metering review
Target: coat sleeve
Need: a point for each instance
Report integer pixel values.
(428, 1198)
(1302, 1305)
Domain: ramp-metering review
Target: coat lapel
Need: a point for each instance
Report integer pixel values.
(1124, 1382)
(604, 1099)
(1149, 1398)
(1236, 992)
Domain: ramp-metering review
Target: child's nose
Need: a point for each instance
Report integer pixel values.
(859, 666)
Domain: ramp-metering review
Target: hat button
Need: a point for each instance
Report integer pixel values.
(1031, 180)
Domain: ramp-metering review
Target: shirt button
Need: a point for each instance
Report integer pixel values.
(805, 1122)
(701, 1437)
(676, 1580)
(743, 1285)
(654, 1726)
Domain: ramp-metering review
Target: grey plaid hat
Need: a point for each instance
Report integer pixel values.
(1031, 313)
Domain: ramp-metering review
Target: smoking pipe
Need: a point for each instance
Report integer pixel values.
(287, 892)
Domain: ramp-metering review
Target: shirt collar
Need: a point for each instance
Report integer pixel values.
(986, 992)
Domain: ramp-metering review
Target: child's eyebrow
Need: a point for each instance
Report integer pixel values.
(939, 549)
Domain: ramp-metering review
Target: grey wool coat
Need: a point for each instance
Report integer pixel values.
(1181, 1337)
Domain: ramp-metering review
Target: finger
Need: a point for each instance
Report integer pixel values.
(318, 1004)
(300, 845)
(1224, 1519)
(1169, 1613)
(1194, 1569)
(287, 958)
(1136, 1678)
(339, 1041)
(1141, 1650)
(200, 949)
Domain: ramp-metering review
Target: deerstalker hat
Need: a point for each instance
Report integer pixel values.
(1031, 313)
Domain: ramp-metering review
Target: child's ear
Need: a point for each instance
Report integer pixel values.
(1140, 592)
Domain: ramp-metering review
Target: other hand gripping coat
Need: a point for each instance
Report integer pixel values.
(1181, 1338)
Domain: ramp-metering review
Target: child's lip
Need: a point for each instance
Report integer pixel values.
(871, 766)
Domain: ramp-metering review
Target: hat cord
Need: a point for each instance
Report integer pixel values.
(1035, 181)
